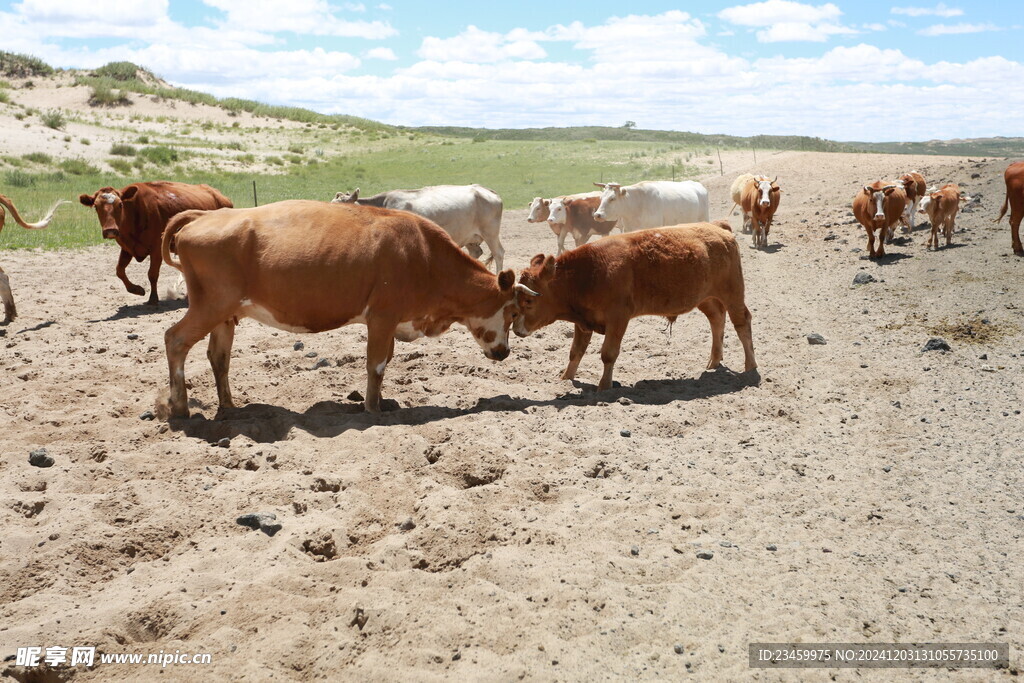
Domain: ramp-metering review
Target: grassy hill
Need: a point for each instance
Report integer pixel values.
(979, 147)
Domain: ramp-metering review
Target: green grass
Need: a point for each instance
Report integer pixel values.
(37, 158)
(105, 96)
(15, 65)
(120, 71)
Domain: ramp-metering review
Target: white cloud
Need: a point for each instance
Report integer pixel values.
(953, 29)
(779, 12)
(385, 7)
(303, 17)
(474, 45)
(939, 10)
(797, 31)
(875, 27)
(136, 13)
(385, 53)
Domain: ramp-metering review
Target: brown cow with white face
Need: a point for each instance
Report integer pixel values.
(575, 216)
(759, 200)
(1014, 177)
(135, 217)
(6, 296)
(878, 207)
(665, 271)
(916, 189)
(306, 266)
(942, 207)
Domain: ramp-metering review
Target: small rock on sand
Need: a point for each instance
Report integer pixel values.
(863, 278)
(40, 458)
(936, 344)
(705, 555)
(815, 339)
(264, 521)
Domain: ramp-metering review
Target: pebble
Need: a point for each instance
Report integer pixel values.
(40, 458)
(678, 648)
(863, 278)
(224, 443)
(983, 356)
(634, 551)
(322, 363)
(815, 339)
(148, 415)
(772, 547)
(407, 525)
(312, 354)
(299, 346)
(936, 344)
(133, 336)
(354, 396)
(264, 521)
(625, 432)
(705, 555)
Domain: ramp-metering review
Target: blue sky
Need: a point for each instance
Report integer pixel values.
(865, 70)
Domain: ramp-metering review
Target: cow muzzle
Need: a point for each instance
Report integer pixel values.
(765, 202)
(111, 233)
(599, 216)
(497, 353)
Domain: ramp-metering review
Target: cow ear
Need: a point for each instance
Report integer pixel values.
(506, 279)
(548, 271)
(87, 199)
(129, 193)
(537, 260)
(354, 196)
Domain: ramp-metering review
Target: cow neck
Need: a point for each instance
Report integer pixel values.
(561, 289)
(471, 297)
(126, 238)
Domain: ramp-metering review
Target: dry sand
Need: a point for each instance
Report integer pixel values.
(888, 480)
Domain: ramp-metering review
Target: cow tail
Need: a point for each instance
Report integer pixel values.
(6, 201)
(1006, 204)
(174, 225)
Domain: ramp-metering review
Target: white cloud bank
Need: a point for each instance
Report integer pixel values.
(786, 21)
(939, 10)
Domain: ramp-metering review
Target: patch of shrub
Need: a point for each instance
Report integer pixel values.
(142, 139)
(120, 71)
(16, 65)
(122, 150)
(37, 157)
(78, 167)
(5, 98)
(122, 166)
(296, 149)
(275, 161)
(20, 179)
(160, 155)
(105, 96)
(85, 141)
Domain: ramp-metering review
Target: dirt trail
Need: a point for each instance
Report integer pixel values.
(501, 525)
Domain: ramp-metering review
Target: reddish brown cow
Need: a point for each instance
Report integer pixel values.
(759, 199)
(135, 217)
(878, 207)
(6, 296)
(305, 266)
(666, 271)
(1014, 177)
(577, 216)
(942, 208)
(916, 188)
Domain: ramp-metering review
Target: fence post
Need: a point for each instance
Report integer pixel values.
(255, 202)
(720, 166)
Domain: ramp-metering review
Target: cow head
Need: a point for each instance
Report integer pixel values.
(538, 210)
(491, 333)
(558, 210)
(878, 196)
(611, 198)
(343, 198)
(765, 188)
(533, 297)
(109, 204)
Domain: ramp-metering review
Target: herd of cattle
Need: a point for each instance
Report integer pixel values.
(395, 262)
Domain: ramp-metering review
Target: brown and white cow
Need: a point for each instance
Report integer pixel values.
(942, 207)
(1014, 177)
(760, 200)
(135, 217)
(665, 271)
(575, 216)
(6, 296)
(916, 189)
(306, 266)
(878, 206)
(736, 192)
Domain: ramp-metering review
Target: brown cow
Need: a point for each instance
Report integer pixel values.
(942, 207)
(759, 199)
(1014, 177)
(575, 215)
(6, 296)
(306, 266)
(878, 207)
(666, 271)
(916, 188)
(135, 216)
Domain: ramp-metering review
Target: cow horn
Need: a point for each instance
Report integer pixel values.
(776, 178)
(525, 290)
(601, 184)
(888, 187)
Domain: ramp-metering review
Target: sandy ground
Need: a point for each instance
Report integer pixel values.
(501, 525)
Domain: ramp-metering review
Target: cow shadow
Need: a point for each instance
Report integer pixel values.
(887, 260)
(265, 423)
(771, 248)
(128, 311)
(34, 328)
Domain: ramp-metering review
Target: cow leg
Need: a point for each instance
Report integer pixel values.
(122, 262)
(219, 354)
(1015, 219)
(380, 346)
(580, 342)
(740, 316)
(949, 232)
(10, 312)
(714, 309)
(474, 250)
(613, 334)
(561, 238)
(179, 340)
(497, 252)
(155, 261)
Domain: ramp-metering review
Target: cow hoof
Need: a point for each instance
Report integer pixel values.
(153, 302)
(136, 290)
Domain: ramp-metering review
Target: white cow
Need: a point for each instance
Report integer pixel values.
(469, 213)
(653, 203)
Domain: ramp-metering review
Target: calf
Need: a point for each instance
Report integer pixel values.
(759, 200)
(916, 189)
(942, 207)
(878, 207)
(575, 215)
(6, 296)
(665, 271)
(305, 266)
(1014, 177)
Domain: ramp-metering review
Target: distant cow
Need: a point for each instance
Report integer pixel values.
(916, 188)
(135, 217)
(760, 200)
(305, 266)
(575, 215)
(1014, 177)
(736, 192)
(540, 211)
(653, 203)
(942, 207)
(469, 213)
(667, 271)
(6, 296)
(878, 207)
